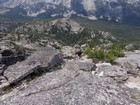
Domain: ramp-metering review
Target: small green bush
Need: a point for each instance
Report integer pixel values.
(116, 53)
(105, 56)
(100, 54)
(110, 58)
(87, 51)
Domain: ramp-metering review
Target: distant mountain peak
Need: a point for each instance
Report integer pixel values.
(111, 10)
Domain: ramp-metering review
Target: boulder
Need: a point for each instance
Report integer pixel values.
(86, 65)
(133, 83)
(115, 72)
(44, 59)
(131, 63)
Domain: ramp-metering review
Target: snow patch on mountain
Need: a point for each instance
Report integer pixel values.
(89, 5)
(92, 17)
(33, 14)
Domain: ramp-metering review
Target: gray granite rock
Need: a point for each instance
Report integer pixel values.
(73, 84)
(86, 65)
(41, 60)
(115, 72)
(70, 86)
(130, 61)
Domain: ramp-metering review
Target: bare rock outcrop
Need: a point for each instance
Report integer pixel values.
(131, 63)
(115, 72)
(44, 59)
(72, 84)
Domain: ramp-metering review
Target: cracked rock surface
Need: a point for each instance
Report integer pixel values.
(72, 84)
(41, 60)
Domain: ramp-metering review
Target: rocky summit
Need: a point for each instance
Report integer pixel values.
(46, 77)
(69, 52)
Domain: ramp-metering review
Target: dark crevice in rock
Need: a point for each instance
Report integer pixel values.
(10, 57)
(38, 71)
(33, 67)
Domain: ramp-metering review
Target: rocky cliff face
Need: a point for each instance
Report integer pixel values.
(111, 10)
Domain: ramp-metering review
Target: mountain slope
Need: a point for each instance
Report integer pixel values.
(63, 31)
(111, 10)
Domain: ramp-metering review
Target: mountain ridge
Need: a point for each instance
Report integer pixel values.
(110, 10)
